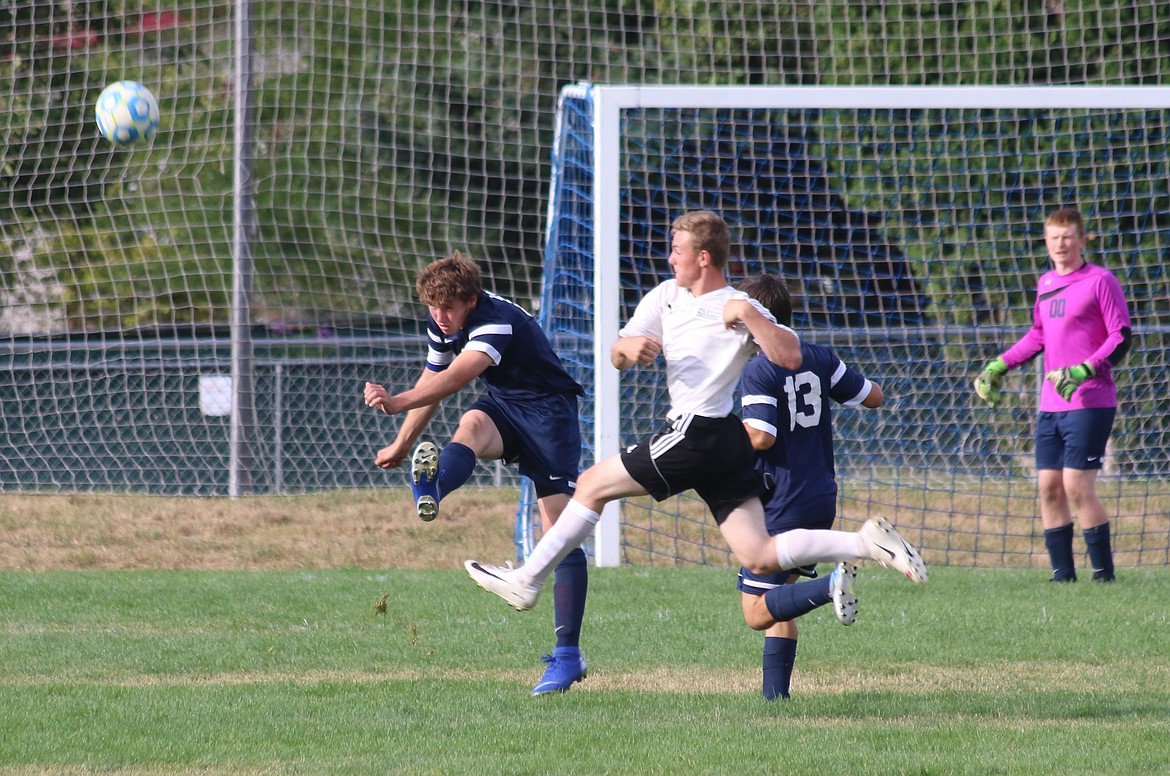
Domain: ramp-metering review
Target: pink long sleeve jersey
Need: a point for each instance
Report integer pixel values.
(1078, 317)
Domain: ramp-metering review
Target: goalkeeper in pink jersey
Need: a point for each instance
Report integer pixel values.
(1081, 322)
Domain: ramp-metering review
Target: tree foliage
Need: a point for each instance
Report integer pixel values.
(389, 133)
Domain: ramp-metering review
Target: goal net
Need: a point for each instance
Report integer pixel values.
(909, 224)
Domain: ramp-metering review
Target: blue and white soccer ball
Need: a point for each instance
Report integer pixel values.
(126, 112)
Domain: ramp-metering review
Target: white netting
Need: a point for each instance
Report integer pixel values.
(387, 134)
(913, 239)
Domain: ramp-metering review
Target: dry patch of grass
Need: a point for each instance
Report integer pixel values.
(961, 523)
(918, 679)
(359, 529)
(954, 522)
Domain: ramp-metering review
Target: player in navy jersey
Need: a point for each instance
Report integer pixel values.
(706, 332)
(528, 415)
(1081, 323)
(788, 417)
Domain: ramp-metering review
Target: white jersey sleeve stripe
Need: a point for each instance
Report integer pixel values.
(860, 397)
(489, 329)
(484, 347)
(439, 359)
(762, 425)
(759, 398)
(838, 373)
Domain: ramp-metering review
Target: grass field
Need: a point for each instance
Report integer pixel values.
(268, 670)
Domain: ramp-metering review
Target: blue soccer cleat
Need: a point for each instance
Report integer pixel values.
(424, 480)
(565, 668)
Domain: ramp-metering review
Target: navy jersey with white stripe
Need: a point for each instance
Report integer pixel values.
(795, 407)
(524, 365)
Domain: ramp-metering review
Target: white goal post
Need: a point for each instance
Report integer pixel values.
(610, 102)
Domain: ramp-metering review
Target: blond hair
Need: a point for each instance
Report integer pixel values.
(710, 234)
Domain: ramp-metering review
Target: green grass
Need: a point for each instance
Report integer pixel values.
(979, 672)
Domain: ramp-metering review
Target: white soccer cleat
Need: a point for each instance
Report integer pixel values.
(503, 582)
(892, 551)
(841, 587)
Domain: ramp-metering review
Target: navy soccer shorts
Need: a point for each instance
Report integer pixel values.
(1074, 439)
(542, 435)
(758, 584)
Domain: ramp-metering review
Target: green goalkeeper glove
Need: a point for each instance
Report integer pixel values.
(987, 383)
(1069, 378)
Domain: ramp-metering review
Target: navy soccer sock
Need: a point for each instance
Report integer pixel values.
(787, 602)
(1060, 553)
(569, 591)
(1100, 552)
(779, 657)
(456, 462)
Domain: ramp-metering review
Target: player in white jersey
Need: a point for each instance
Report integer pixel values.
(706, 331)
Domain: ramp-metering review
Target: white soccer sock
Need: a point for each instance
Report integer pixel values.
(803, 547)
(574, 526)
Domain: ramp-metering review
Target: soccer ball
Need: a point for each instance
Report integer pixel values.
(126, 112)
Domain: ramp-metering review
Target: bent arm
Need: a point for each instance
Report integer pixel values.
(779, 344)
(638, 350)
(1026, 348)
(1115, 313)
(420, 402)
(1115, 349)
(413, 424)
(875, 398)
(761, 440)
(433, 387)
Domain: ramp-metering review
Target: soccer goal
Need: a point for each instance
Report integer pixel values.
(908, 222)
